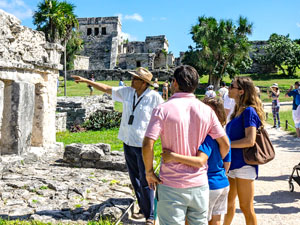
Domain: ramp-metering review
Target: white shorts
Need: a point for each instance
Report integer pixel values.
(217, 202)
(245, 172)
(297, 125)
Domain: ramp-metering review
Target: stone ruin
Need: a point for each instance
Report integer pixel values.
(106, 48)
(28, 84)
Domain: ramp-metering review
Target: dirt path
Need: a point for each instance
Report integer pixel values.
(274, 204)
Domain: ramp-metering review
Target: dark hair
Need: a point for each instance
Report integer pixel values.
(121, 79)
(187, 78)
(222, 84)
(297, 83)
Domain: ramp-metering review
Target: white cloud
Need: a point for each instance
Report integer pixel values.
(16, 7)
(298, 24)
(128, 36)
(163, 18)
(134, 16)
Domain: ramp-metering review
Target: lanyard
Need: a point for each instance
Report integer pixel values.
(135, 105)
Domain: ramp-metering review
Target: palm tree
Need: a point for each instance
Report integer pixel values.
(221, 45)
(57, 20)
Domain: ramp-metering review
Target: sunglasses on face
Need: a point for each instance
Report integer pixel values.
(233, 87)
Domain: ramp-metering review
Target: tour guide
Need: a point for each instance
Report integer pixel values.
(138, 103)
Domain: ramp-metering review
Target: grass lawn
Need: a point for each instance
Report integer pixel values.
(284, 116)
(261, 80)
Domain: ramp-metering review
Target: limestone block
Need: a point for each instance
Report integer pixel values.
(17, 117)
(1, 103)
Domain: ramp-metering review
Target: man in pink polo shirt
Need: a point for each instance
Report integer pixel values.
(183, 123)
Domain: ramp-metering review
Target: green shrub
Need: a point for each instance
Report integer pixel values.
(103, 120)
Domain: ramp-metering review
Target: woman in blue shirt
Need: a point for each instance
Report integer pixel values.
(247, 117)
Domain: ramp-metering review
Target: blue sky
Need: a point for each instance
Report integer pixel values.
(174, 18)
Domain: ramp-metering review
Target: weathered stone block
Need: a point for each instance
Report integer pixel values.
(17, 117)
(1, 103)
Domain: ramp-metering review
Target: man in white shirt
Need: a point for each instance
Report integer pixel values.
(229, 104)
(223, 90)
(138, 103)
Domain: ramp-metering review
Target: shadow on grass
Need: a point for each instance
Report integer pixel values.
(271, 76)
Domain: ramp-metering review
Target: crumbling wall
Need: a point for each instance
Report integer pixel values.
(28, 78)
(81, 62)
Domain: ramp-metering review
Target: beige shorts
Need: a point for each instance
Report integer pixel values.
(246, 172)
(217, 202)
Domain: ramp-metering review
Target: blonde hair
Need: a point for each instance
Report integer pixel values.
(217, 105)
(249, 98)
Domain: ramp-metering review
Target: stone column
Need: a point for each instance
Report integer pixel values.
(1, 104)
(44, 132)
(17, 117)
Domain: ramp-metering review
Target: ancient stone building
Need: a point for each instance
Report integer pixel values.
(28, 85)
(107, 50)
(257, 47)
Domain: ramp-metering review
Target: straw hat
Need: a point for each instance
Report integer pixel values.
(143, 74)
(275, 85)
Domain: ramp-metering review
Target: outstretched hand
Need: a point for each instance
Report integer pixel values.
(78, 79)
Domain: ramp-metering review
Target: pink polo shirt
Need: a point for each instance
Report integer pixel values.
(183, 123)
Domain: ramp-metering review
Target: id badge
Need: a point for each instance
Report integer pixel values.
(130, 121)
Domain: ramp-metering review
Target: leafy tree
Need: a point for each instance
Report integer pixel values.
(74, 46)
(57, 20)
(282, 52)
(221, 48)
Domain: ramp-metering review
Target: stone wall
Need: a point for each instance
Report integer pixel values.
(156, 43)
(258, 48)
(136, 47)
(78, 109)
(102, 37)
(134, 60)
(61, 121)
(81, 62)
(162, 74)
(28, 78)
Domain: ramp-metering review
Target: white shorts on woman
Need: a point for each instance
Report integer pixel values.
(245, 172)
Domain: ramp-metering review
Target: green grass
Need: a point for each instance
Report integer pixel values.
(262, 80)
(284, 115)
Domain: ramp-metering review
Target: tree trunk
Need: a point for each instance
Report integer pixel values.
(215, 80)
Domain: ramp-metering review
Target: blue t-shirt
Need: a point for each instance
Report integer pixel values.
(294, 93)
(216, 173)
(235, 129)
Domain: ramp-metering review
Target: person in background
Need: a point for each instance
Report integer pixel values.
(229, 104)
(182, 121)
(91, 78)
(275, 104)
(138, 102)
(257, 91)
(223, 90)
(210, 93)
(166, 90)
(293, 92)
(247, 117)
(121, 83)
